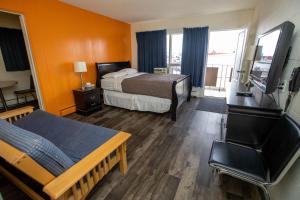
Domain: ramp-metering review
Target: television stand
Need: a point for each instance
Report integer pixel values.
(249, 117)
(244, 94)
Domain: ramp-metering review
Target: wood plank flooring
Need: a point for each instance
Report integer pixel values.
(167, 160)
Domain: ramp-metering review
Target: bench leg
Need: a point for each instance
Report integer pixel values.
(22, 186)
(123, 159)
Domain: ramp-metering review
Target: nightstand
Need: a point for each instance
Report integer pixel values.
(87, 101)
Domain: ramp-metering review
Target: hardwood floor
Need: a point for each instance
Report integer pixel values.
(167, 160)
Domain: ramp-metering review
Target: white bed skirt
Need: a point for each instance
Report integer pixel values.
(136, 102)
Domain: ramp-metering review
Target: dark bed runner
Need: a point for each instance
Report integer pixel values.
(156, 85)
(212, 104)
(75, 139)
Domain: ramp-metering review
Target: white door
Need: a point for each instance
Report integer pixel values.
(237, 69)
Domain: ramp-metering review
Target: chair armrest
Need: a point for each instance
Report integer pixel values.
(13, 114)
(70, 177)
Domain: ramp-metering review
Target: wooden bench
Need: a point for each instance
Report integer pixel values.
(76, 182)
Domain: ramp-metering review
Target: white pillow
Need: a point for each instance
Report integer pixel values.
(129, 70)
(114, 74)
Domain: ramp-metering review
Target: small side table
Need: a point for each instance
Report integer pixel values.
(87, 101)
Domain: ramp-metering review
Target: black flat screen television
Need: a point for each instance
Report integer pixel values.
(270, 55)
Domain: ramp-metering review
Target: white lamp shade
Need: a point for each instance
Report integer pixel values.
(80, 66)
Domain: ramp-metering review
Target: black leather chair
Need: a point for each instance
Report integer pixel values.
(264, 167)
(27, 92)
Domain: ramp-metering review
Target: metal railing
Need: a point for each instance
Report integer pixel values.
(175, 69)
(219, 76)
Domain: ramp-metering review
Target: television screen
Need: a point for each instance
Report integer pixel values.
(270, 57)
(264, 55)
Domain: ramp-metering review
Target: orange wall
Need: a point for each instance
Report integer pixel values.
(60, 34)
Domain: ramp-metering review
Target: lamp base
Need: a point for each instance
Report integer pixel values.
(81, 79)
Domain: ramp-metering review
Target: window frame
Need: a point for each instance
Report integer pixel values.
(169, 58)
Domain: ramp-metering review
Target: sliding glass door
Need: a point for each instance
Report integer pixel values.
(174, 52)
(224, 60)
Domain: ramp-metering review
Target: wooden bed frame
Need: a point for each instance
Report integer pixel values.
(76, 182)
(181, 89)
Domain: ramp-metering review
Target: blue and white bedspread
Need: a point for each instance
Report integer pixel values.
(74, 138)
(38, 148)
(56, 143)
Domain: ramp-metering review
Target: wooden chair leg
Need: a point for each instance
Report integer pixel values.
(123, 159)
(33, 95)
(18, 101)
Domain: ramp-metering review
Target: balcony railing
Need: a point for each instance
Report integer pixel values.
(218, 76)
(175, 69)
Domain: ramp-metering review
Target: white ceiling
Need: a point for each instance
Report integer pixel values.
(142, 10)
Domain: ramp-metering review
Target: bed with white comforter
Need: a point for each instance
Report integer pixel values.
(114, 96)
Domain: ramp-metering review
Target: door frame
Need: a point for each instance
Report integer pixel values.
(30, 57)
(243, 28)
(238, 73)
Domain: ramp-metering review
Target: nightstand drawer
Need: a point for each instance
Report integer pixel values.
(87, 101)
(92, 99)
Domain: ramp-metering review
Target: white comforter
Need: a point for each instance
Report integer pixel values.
(115, 84)
(114, 96)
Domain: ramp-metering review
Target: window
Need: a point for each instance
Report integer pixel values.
(174, 51)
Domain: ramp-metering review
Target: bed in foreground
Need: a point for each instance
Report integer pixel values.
(66, 169)
(126, 88)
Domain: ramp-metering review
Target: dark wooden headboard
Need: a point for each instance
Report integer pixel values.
(108, 67)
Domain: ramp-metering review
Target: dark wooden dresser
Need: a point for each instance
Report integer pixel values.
(249, 118)
(87, 101)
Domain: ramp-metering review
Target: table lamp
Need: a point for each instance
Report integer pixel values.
(80, 66)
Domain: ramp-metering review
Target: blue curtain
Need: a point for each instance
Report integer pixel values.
(13, 49)
(152, 50)
(194, 54)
